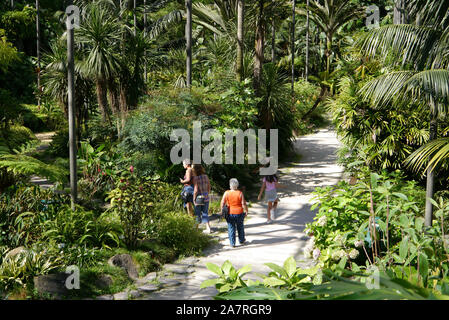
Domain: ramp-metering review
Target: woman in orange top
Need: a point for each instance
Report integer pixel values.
(238, 210)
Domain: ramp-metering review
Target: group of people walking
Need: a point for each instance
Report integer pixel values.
(196, 192)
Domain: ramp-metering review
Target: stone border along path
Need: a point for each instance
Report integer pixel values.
(273, 242)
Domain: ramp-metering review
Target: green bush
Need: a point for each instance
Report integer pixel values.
(178, 231)
(17, 136)
(23, 210)
(20, 269)
(80, 228)
(132, 200)
(379, 221)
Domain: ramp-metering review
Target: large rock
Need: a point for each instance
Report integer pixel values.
(104, 281)
(127, 295)
(147, 288)
(126, 262)
(53, 284)
(148, 278)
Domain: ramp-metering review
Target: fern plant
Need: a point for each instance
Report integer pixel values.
(27, 165)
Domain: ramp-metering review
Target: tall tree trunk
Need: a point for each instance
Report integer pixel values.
(328, 52)
(273, 40)
(113, 96)
(135, 18)
(102, 99)
(38, 50)
(12, 4)
(145, 36)
(399, 12)
(307, 41)
(293, 45)
(433, 131)
(71, 115)
(240, 27)
(188, 4)
(260, 41)
(123, 103)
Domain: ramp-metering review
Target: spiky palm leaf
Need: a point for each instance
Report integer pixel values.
(429, 87)
(99, 34)
(332, 14)
(433, 153)
(408, 44)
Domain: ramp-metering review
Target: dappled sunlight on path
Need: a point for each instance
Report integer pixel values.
(279, 240)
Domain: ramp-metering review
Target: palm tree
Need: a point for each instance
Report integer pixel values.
(329, 17)
(99, 36)
(422, 53)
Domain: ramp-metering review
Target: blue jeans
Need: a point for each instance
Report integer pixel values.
(202, 213)
(236, 222)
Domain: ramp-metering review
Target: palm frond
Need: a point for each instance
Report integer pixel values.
(384, 89)
(430, 86)
(165, 22)
(432, 154)
(407, 43)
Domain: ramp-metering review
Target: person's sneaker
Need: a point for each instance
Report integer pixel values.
(269, 221)
(244, 242)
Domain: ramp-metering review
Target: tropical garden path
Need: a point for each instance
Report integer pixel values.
(274, 242)
(45, 139)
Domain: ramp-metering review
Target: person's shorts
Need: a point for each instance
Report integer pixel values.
(271, 196)
(188, 194)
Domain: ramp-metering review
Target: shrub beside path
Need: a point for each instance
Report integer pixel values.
(273, 242)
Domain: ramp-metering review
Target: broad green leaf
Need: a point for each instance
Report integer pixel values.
(403, 248)
(244, 270)
(290, 266)
(226, 267)
(208, 283)
(225, 288)
(273, 282)
(423, 265)
(214, 268)
(419, 222)
(277, 269)
(400, 195)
